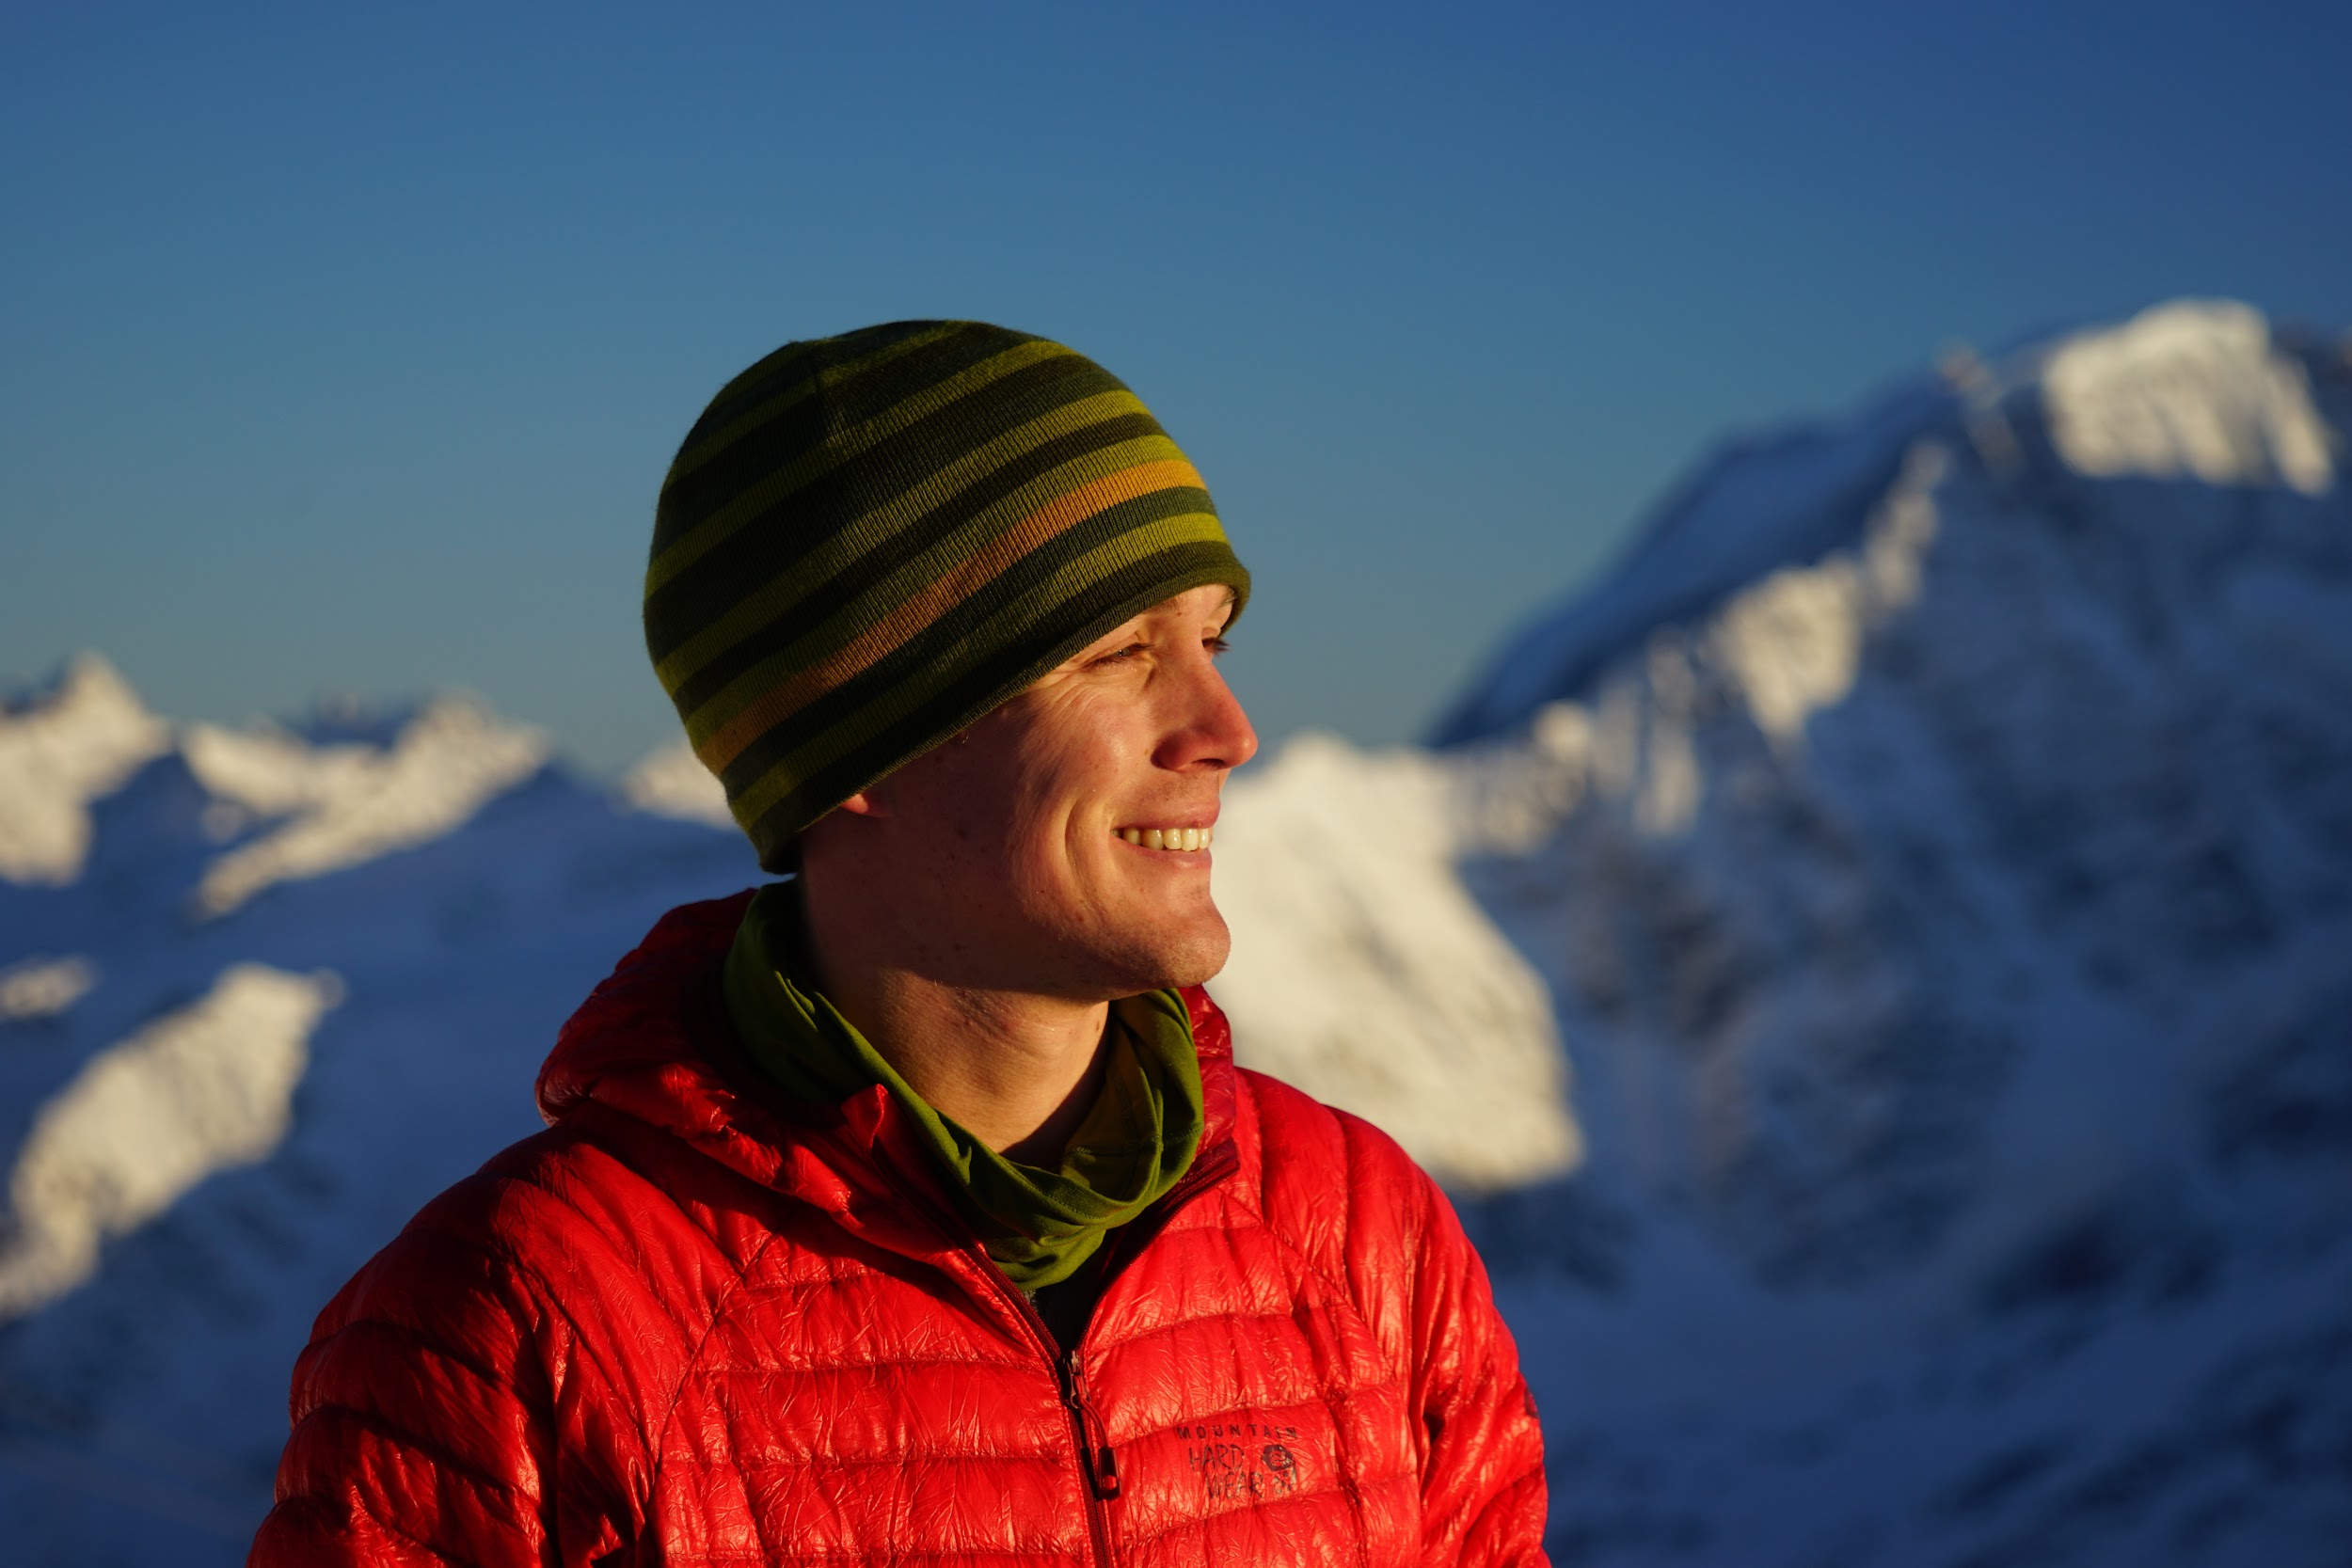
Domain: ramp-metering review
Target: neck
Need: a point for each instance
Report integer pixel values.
(1018, 1070)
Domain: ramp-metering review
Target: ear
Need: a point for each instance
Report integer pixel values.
(872, 802)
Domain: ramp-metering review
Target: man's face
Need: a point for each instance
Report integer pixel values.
(1007, 846)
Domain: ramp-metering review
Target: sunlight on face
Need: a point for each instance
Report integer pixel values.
(1013, 837)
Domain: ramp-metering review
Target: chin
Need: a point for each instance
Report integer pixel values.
(1133, 955)
(1191, 957)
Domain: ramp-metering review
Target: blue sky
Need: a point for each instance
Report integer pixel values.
(345, 352)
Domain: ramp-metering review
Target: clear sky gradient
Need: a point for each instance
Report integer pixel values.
(345, 354)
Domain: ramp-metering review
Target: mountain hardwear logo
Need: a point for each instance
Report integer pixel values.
(1234, 1459)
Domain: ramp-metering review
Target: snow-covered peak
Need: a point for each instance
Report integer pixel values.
(350, 801)
(672, 781)
(2196, 390)
(203, 1088)
(59, 751)
(43, 987)
(2057, 733)
(1364, 973)
(322, 799)
(2193, 388)
(1757, 505)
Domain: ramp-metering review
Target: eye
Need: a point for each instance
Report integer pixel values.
(1117, 655)
(1216, 645)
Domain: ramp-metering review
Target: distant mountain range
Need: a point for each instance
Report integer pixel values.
(1875, 969)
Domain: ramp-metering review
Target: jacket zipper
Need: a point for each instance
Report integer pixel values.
(1097, 1466)
(1094, 1449)
(1095, 1455)
(1097, 1461)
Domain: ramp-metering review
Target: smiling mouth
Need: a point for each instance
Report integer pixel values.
(1166, 838)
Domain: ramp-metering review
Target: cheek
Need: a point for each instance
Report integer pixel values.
(1025, 800)
(1061, 846)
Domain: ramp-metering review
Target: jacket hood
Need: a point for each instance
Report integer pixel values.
(653, 1043)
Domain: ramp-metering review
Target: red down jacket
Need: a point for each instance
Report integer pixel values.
(695, 1322)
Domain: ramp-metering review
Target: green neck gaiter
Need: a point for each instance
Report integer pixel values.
(1039, 1225)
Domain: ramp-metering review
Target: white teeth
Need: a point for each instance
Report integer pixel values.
(1178, 839)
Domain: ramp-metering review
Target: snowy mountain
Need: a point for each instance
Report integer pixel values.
(1873, 969)
(1951, 931)
(287, 984)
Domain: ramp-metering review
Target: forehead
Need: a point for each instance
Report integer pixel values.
(1210, 601)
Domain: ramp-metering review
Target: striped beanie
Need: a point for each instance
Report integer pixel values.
(867, 542)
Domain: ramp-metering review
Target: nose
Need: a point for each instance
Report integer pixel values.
(1210, 730)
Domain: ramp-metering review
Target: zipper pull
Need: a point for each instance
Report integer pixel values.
(1102, 1465)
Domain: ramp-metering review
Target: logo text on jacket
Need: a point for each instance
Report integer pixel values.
(1243, 1458)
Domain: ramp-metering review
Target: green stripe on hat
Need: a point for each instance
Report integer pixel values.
(738, 461)
(867, 542)
(855, 562)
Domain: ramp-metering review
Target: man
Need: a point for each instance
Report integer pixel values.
(912, 1209)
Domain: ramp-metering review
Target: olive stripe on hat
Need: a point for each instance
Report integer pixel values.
(717, 465)
(1007, 484)
(868, 541)
(744, 403)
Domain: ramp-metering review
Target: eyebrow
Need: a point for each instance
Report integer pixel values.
(1227, 603)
